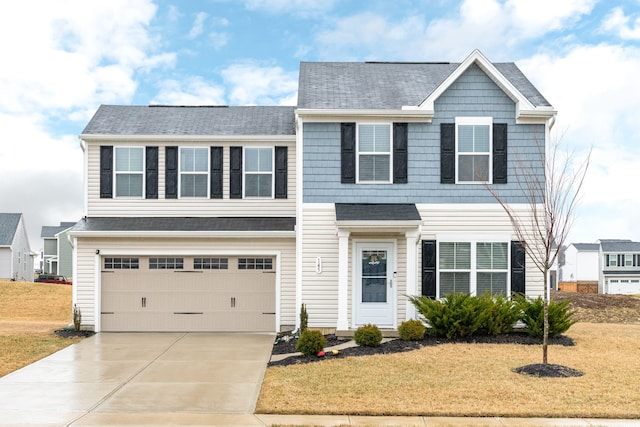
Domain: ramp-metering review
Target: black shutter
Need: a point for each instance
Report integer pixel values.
(106, 172)
(216, 173)
(517, 267)
(348, 150)
(171, 173)
(151, 173)
(400, 133)
(429, 268)
(281, 172)
(447, 153)
(499, 153)
(235, 172)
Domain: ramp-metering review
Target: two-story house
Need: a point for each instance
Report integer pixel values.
(57, 251)
(373, 188)
(619, 271)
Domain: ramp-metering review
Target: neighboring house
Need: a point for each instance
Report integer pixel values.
(371, 189)
(57, 254)
(16, 258)
(619, 271)
(580, 266)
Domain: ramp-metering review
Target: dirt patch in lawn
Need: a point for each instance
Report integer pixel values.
(602, 308)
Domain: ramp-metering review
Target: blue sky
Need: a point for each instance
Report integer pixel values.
(62, 59)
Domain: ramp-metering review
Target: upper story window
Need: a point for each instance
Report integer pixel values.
(129, 171)
(374, 153)
(473, 149)
(194, 172)
(622, 260)
(258, 172)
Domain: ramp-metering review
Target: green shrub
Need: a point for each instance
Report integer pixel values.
(310, 342)
(498, 314)
(532, 315)
(368, 335)
(411, 330)
(456, 316)
(304, 318)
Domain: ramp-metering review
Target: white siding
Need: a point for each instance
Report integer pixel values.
(5, 263)
(320, 290)
(86, 279)
(162, 207)
(478, 220)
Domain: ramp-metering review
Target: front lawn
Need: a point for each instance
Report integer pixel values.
(29, 315)
(469, 380)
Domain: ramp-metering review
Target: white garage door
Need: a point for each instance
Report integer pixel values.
(624, 286)
(214, 293)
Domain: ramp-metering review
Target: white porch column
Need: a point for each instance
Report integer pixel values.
(343, 280)
(412, 276)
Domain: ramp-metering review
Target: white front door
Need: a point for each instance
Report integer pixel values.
(374, 284)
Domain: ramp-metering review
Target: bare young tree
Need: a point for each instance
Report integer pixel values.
(551, 195)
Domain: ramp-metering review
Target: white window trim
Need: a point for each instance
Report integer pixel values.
(180, 172)
(480, 121)
(272, 173)
(473, 271)
(116, 173)
(370, 153)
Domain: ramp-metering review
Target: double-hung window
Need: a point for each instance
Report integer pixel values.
(473, 267)
(258, 172)
(129, 171)
(492, 267)
(473, 149)
(455, 267)
(194, 172)
(374, 153)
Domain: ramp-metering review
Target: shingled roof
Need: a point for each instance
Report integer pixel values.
(49, 231)
(387, 85)
(8, 226)
(191, 120)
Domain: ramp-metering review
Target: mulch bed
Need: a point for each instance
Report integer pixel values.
(398, 346)
(71, 333)
(548, 370)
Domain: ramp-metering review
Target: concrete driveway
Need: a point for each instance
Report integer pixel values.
(140, 378)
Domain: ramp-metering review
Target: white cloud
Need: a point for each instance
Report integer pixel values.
(495, 27)
(198, 25)
(304, 8)
(190, 91)
(618, 23)
(590, 86)
(253, 84)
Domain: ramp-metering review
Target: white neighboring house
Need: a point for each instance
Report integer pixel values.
(16, 258)
(580, 263)
(619, 267)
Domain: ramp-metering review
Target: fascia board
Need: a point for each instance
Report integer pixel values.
(186, 138)
(187, 234)
(408, 115)
(523, 105)
(380, 226)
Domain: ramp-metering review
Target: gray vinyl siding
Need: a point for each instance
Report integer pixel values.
(65, 256)
(473, 94)
(50, 247)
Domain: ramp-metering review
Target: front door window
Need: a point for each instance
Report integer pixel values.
(374, 276)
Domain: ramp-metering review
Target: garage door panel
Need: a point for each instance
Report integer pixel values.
(222, 299)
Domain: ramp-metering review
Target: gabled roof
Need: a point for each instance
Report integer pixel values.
(50, 231)
(408, 86)
(185, 120)
(8, 226)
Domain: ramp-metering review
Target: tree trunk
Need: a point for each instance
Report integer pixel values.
(545, 338)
